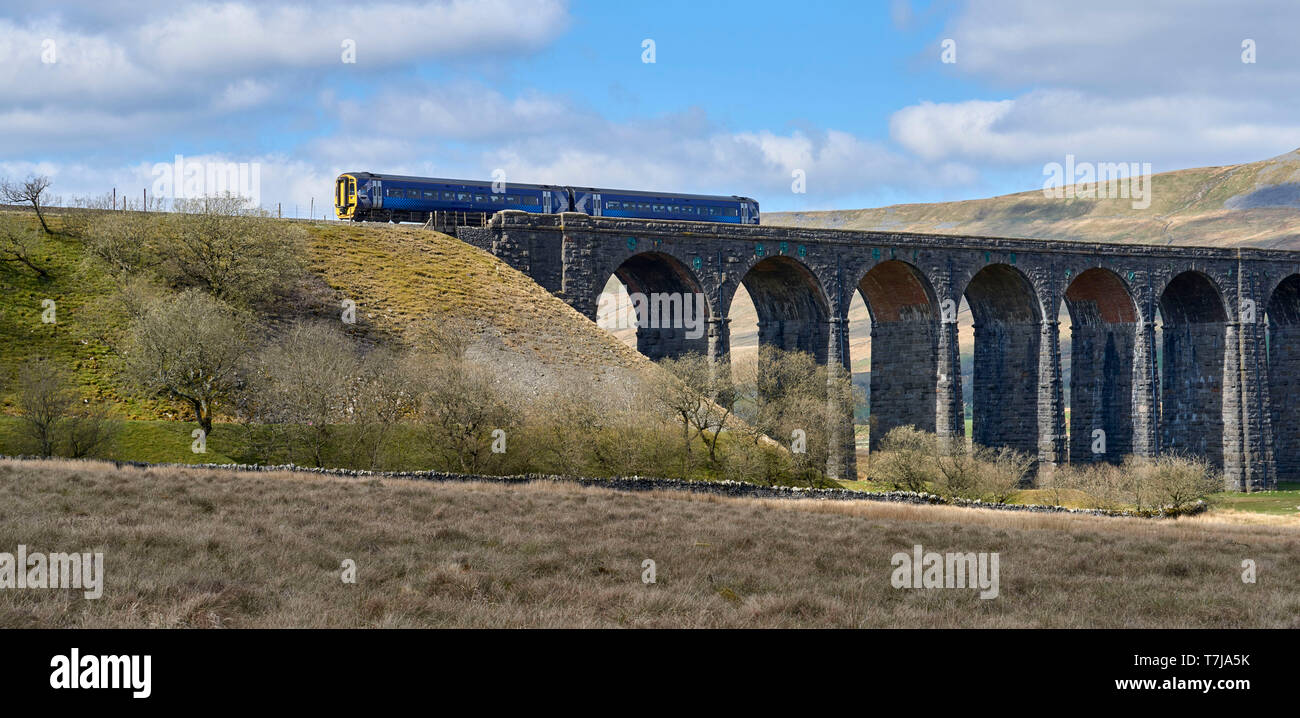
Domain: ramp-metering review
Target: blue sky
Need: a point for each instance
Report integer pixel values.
(741, 95)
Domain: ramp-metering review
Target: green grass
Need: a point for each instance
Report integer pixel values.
(155, 441)
(1283, 502)
(73, 285)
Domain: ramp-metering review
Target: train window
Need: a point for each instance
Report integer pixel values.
(431, 195)
(659, 208)
(510, 199)
(531, 200)
(393, 192)
(448, 196)
(462, 196)
(733, 212)
(497, 199)
(479, 198)
(611, 205)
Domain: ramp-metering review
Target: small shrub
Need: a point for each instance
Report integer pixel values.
(1168, 482)
(907, 459)
(1179, 481)
(993, 475)
(45, 399)
(88, 432)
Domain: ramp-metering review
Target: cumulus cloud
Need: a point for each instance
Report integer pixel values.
(462, 111)
(229, 57)
(1123, 47)
(237, 36)
(1160, 81)
(1045, 125)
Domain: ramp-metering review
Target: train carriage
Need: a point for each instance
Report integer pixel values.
(365, 196)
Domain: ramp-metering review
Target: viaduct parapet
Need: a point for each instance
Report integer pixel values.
(1184, 349)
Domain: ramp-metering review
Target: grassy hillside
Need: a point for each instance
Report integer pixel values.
(396, 275)
(399, 274)
(202, 548)
(74, 285)
(1256, 204)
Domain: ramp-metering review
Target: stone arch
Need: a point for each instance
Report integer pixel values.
(670, 305)
(1103, 335)
(1007, 317)
(1192, 366)
(792, 308)
(1283, 343)
(904, 347)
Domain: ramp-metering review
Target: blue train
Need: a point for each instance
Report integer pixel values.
(364, 196)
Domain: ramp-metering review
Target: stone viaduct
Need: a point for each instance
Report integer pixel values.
(1183, 349)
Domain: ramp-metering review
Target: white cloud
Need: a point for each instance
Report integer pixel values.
(232, 57)
(462, 111)
(1046, 125)
(935, 131)
(237, 36)
(1124, 47)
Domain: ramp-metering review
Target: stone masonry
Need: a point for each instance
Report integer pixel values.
(1219, 383)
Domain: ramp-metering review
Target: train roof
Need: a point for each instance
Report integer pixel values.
(603, 190)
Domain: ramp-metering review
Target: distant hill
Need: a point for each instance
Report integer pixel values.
(1249, 205)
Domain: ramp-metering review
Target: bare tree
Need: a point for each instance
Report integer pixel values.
(88, 431)
(45, 397)
(461, 404)
(384, 394)
(701, 398)
(19, 247)
(984, 473)
(190, 347)
(1182, 480)
(217, 244)
(305, 382)
(906, 459)
(29, 191)
(126, 242)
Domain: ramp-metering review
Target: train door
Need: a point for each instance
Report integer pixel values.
(376, 193)
(744, 213)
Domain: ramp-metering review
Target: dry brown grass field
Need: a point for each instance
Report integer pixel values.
(201, 548)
